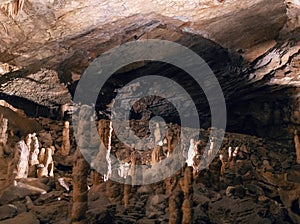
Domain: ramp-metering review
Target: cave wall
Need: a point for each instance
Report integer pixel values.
(252, 47)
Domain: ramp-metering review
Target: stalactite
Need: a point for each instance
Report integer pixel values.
(66, 146)
(3, 134)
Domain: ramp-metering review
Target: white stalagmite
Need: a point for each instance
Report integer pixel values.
(66, 146)
(229, 154)
(108, 159)
(191, 153)
(32, 143)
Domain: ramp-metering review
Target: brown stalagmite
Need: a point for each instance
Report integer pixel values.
(187, 188)
(81, 167)
(127, 191)
(103, 130)
(156, 155)
(66, 146)
(41, 156)
(223, 167)
(297, 146)
(135, 161)
(3, 134)
(175, 199)
(172, 135)
(80, 188)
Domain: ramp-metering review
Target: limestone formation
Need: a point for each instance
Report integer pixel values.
(3, 134)
(135, 172)
(48, 163)
(41, 156)
(191, 153)
(176, 198)
(187, 188)
(18, 167)
(127, 191)
(223, 167)
(33, 145)
(80, 188)
(66, 146)
(157, 134)
(297, 146)
(156, 155)
(172, 135)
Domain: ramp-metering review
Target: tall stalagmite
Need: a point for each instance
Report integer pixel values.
(3, 134)
(66, 146)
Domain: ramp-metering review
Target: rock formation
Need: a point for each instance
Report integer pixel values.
(187, 188)
(18, 167)
(33, 146)
(66, 146)
(80, 188)
(297, 146)
(3, 134)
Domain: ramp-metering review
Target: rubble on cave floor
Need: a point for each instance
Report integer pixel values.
(249, 180)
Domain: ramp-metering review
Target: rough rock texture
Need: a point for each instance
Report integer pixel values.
(65, 147)
(251, 46)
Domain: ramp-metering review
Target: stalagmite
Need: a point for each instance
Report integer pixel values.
(187, 188)
(135, 161)
(49, 165)
(235, 152)
(81, 167)
(18, 167)
(108, 159)
(41, 156)
(157, 134)
(156, 154)
(297, 146)
(222, 171)
(28, 140)
(34, 152)
(172, 135)
(105, 130)
(66, 146)
(80, 188)
(175, 199)
(191, 153)
(3, 134)
(229, 154)
(46, 164)
(127, 191)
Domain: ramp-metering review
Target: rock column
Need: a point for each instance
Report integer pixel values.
(66, 146)
(297, 146)
(3, 134)
(80, 189)
(18, 167)
(187, 188)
